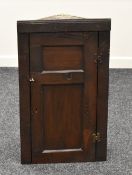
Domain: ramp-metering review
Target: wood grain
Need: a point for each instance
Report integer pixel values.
(62, 57)
(102, 98)
(55, 51)
(58, 78)
(64, 25)
(64, 116)
(24, 90)
(67, 62)
(90, 92)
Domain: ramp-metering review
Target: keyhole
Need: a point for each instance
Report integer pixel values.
(35, 111)
(68, 76)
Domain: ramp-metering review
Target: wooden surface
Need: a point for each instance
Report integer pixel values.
(64, 110)
(59, 78)
(24, 89)
(61, 23)
(90, 91)
(70, 55)
(67, 101)
(102, 98)
(62, 57)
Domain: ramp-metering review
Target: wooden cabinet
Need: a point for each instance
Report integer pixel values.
(63, 78)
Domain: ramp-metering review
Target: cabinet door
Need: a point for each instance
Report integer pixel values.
(63, 96)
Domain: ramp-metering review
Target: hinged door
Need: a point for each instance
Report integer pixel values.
(63, 77)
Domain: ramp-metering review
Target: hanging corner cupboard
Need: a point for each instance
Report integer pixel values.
(63, 82)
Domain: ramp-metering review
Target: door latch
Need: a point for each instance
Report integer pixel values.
(31, 79)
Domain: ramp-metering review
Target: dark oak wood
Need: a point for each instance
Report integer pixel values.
(64, 116)
(58, 125)
(90, 90)
(72, 57)
(73, 77)
(24, 89)
(63, 78)
(75, 25)
(102, 98)
(48, 49)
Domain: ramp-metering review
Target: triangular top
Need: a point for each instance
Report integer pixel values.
(61, 16)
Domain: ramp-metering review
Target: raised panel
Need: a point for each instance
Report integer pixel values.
(62, 116)
(59, 51)
(65, 100)
(62, 57)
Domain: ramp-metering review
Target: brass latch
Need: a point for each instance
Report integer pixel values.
(96, 137)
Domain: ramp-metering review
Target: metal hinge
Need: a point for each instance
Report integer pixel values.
(98, 56)
(96, 137)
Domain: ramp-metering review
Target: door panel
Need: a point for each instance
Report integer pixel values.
(63, 98)
(62, 116)
(56, 52)
(62, 57)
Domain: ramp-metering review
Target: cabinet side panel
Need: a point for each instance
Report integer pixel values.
(90, 92)
(24, 90)
(102, 98)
